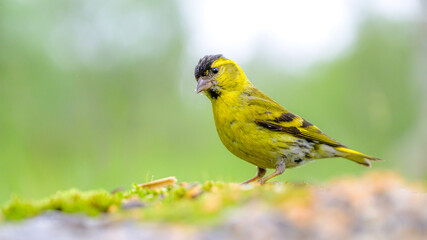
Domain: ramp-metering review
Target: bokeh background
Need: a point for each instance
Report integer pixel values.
(100, 94)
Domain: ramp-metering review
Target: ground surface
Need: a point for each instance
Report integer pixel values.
(377, 206)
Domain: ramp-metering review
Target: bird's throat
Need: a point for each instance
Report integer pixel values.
(213, 93)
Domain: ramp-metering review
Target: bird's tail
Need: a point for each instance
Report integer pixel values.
(355, 156)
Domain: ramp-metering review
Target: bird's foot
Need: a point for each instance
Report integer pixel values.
(250, 180)
(280, 168)
(260, 173)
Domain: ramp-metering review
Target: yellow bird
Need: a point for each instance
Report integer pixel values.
(257, 129)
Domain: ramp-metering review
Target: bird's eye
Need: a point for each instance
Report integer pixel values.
(215, 70)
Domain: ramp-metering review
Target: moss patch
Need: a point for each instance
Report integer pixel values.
(91, 203)
(184, 202)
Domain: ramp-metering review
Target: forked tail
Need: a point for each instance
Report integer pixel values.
(355, 156)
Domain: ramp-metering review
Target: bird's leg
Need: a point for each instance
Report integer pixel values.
(261, 172)
(280, 168)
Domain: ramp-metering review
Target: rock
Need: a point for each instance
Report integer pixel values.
(377, 206)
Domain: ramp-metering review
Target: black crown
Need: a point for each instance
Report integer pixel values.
(205, 64)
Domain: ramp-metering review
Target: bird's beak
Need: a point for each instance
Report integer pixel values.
(204, 84)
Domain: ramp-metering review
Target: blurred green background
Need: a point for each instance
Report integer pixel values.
(100, 94)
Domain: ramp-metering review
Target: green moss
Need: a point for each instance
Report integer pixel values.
(184, 203)
(91, 203)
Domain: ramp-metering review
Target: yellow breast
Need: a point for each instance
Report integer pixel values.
(239, 133)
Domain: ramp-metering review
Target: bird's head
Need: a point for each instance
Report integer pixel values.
(217, 75)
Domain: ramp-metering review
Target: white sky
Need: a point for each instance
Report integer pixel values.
(299, 32)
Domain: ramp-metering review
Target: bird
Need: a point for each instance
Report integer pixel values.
(257, 129)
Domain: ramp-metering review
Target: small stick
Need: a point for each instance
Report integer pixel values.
(164, 182)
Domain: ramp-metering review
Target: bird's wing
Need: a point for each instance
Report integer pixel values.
(269, 115)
